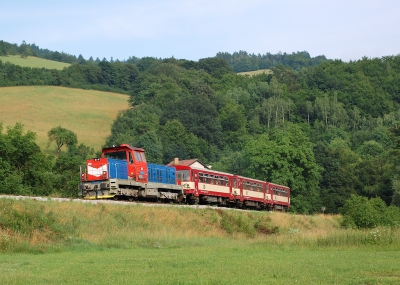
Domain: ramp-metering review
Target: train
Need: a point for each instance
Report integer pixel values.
(123, 173)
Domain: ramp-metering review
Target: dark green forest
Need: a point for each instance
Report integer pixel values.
(326, 128)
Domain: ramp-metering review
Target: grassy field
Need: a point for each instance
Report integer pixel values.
(255, 72)
(88, 113)
(219, 262)
(32, 61)
(81, 243)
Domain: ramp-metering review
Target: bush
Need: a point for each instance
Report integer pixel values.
(359, 212)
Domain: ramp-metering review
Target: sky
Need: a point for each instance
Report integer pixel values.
(195, 29)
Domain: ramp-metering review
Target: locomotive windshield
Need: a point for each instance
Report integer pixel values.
(116, 155)
(183, 175)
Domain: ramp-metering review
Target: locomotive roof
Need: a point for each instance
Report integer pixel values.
(122, 146)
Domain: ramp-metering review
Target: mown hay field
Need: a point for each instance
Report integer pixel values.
(255, 72)
(88, 113)
(32, 61)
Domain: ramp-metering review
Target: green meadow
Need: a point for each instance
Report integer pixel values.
(219, 262)
(88, 113)
(32, 61)
(68, 242)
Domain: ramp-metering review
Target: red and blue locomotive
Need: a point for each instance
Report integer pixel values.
(122, 172)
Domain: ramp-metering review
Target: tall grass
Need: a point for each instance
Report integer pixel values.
(37, 226)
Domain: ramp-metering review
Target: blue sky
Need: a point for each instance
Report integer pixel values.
(194, 29)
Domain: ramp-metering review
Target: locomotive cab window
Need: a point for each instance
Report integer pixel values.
(137, 157)
(116, 155)
(143, 157)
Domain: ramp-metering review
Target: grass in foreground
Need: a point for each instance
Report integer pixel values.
(34, 62)
(210, 262)
(75, 243)
(88, 113)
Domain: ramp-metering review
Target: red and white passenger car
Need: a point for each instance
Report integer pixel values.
(205, 186)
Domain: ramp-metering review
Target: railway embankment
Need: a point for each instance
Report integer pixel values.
(39, 224)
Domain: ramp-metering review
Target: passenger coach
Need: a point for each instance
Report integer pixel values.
(203, 185)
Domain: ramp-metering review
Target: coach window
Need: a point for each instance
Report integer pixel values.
(234, 183)
(206, 178)
(201, 178)
(211, 179)
(183, 175)
(130, 158)
(226, 181)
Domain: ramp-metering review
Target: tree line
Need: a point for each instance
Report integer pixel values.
(239, 61)
(242, 61)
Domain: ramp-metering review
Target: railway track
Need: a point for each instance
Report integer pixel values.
(121, 202)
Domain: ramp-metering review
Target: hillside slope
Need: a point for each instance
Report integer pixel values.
(34, 62)
(88, 113)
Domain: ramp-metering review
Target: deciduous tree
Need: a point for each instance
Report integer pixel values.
(62, 136)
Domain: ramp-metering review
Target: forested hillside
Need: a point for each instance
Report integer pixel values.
(327, 130)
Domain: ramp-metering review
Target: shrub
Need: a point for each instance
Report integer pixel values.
(359, 212)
